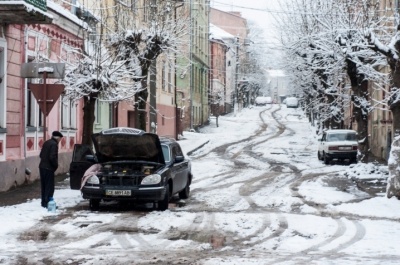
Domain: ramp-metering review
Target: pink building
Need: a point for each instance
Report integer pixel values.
(231, 22)
(33, 32)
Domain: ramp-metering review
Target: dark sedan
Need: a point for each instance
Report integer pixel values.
(130, 165)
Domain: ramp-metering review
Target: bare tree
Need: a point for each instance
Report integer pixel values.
(327, 40)
(115, 63)
(143, 43)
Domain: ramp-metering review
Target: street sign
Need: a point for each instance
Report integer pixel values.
(53, 93)
(36, 70)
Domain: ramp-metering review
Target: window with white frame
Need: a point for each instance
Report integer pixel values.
(163, 81)
(97, 112)
(170, 79)
(3, 88)
(68, 114)
(68, 106)
(37, 51)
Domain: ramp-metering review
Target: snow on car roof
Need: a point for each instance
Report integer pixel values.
(122, 130)
(340, 131)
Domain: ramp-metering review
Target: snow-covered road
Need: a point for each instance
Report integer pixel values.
(259, 196)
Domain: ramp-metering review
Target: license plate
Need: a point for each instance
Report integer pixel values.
(118, 192)
(345, 148)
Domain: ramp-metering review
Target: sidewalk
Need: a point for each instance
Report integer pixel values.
(192, 141)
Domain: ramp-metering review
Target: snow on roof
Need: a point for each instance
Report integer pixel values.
(218, 33)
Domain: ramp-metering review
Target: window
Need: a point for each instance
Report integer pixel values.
(38, 51)
(145, 8)
(34, 117)
(169, 80)
(68, 106)
(3, 89)
(163, 86)
(97, 112)
(68, 114)
(133, 5)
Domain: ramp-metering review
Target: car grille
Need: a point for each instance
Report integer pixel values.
(121, 180)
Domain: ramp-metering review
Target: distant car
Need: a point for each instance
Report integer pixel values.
(130, 165)
(292, 102)
(338, 144)
(262, 101)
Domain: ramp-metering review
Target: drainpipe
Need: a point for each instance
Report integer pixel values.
(191, 64)
(23, 97)
(175, 86)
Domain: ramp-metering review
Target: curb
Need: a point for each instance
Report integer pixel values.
(197, 148)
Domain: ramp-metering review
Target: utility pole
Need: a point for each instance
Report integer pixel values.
(236, 107)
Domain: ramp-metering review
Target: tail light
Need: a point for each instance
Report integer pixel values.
(333, 148)
(355, 147)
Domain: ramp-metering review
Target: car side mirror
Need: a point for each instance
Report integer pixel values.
(179, 159)
(91, 158)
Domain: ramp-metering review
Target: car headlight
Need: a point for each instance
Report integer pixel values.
(151, 179)
(93, 180)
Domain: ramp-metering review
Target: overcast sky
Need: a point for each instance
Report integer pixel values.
(261, 13)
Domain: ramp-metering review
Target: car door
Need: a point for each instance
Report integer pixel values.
(79, 165)
(181, 168)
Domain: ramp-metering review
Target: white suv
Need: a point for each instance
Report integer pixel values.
(338, 144)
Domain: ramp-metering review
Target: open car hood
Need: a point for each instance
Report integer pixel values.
(121, 143)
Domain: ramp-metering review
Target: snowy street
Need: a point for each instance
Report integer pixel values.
(259, 196)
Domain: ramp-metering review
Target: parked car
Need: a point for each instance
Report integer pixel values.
(130, 165)
(338, 144)
(292, 102)
(262, 101)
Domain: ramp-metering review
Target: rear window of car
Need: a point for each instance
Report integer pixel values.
(341, 137)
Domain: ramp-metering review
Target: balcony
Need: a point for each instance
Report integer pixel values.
(24, 12)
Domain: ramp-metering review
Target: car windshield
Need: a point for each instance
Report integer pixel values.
(166, 153)
(341, 137)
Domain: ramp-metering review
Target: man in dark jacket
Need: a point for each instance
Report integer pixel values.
(48, 165)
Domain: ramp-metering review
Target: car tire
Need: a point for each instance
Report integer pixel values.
(163, 204)
(94, 204)
(326, 160)
(185, 193)
(353, 160)
(319, 156)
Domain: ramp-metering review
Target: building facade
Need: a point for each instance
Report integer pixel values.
(193, 67)
(44, 33)
(236, 25)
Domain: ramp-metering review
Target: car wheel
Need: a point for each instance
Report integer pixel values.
(319, 156)
(353, 160)
(184, 194)
(163, 204)
(94, 204)
(326, 159)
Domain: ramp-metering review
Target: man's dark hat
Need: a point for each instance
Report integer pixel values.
(57, 133)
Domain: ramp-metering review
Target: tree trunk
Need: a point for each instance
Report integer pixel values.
(393, 183)
(359, 86)
(394, 103)
(141, 112)
(88, 119)
(361, 116)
